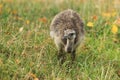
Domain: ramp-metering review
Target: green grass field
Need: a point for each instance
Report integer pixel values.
(28, 53)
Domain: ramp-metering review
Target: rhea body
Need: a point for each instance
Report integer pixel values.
(67, 30)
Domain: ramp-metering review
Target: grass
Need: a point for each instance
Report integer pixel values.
(28, 53)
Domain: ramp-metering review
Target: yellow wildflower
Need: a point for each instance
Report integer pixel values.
(106, 14)
(27, 22)
(1, 5)
(114, 29)
(109, 14)
(1, 8)
(36, 79)
(113, 14)
(90, 24)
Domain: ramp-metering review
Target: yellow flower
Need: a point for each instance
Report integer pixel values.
(1, 5)
(106, 14)
(109, 14)
(27, 22)
(36, 79)
(1, 8)
(113, 14)
(90, 24)
(114, 29)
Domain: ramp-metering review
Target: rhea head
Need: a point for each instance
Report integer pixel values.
(68, 40)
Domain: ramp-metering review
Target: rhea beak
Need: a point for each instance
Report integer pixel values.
(69, 50)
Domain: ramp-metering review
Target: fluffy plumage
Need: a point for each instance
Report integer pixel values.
(67, 30)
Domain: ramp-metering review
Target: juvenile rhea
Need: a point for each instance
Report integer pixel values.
(67, 30)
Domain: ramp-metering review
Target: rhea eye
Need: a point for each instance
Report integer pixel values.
(72, 34)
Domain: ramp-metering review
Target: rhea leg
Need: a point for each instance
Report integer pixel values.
(61, 55)
(73, 55)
